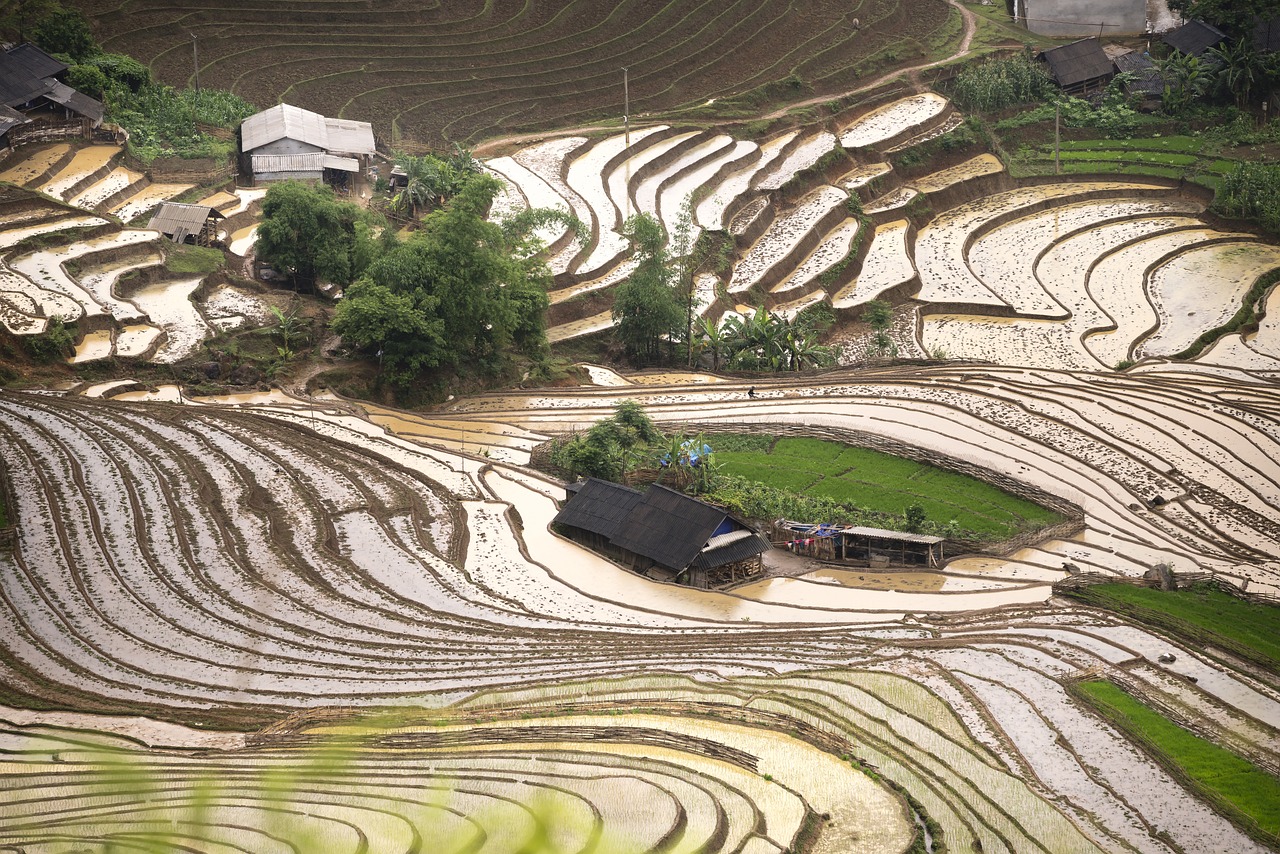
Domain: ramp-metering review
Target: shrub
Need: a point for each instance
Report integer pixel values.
(56, 343)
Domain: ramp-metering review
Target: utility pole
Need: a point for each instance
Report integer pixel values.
(1057, 139)
(195, 59)
(626, 125)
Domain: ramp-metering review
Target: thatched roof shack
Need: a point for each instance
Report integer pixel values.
(1080, 67)
(866, 546)
(661, 533)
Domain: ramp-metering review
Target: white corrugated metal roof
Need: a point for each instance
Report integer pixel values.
(342, 164)
(172, 216)
(284, 121)
(288, 162)
(804, 528)
(348, 137)
(724, 539)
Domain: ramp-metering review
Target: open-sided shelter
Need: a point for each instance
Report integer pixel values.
(662, 533)
(181, 223)
(859, 544)
(286, 142)
(1080, 67)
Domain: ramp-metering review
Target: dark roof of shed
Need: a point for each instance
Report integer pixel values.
(1145, 76)
(749, 544)
(1078, 62)
(26, 72)
(171, 217)
(10, 118)
(1194, 37)
(669, 527)
(78, 103)
(598, 506)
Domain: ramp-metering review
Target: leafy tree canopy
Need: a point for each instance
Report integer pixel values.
(67, 32)
(309, 234)
(646, 306)
(457, 291)
(1236, 17)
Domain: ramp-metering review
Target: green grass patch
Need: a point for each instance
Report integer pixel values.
(1237, 787)
(868, 487)
(193, 260)
(1184, 144)
(1204, 614)
(1165, 158)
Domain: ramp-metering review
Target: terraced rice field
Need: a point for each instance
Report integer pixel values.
(1078, 274)
(470, 70)
(82, 275)
(265, 561)
(278, 556)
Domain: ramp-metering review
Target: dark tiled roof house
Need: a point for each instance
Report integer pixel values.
(661, 532)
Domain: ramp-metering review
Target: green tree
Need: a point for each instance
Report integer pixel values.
(613, 446)
(426, 184)
(914, 518)
(309, 234)
(801, 348)
(65, 31)
(88, 80)
(18, 18)
(1234, 16)
(403, 328)
(1239, 67)
(710, 337)
(1186, 79)
(754, 343)
(878, 314)
(461, 290)
(646, 306)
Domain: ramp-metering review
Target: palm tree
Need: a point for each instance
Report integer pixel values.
(463, 162)
(756, 344)
(1240, 65)
(711, 336)
(802, 348)
(1185, 79)
(422, 184)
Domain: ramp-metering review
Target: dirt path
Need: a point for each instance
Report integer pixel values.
(970, 28)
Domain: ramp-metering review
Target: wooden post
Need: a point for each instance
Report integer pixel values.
(1057, 139)
(626, 125)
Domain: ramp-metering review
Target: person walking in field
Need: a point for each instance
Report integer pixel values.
(751, 392)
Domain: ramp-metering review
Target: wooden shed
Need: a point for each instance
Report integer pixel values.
(181, 223)
(1194, 38)
(859, 544)
(30, 84)
(1080, 67)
